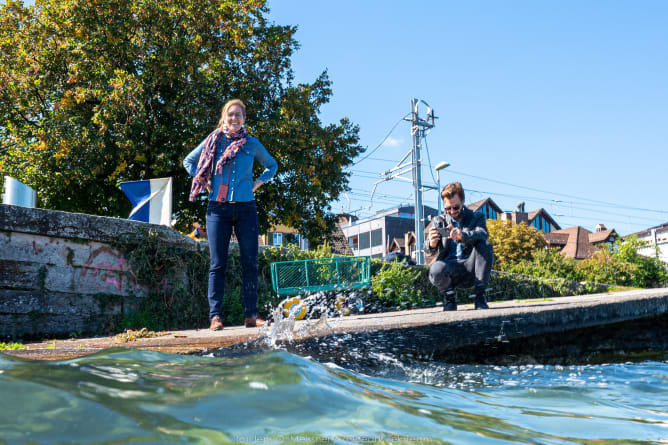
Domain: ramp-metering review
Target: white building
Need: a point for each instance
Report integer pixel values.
(372, 236)
(656, 239)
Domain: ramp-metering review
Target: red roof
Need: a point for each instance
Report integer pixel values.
(578, 242)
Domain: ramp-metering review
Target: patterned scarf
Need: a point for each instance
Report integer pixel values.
(203, 175)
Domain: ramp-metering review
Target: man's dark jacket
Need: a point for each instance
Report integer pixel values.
(474, 229)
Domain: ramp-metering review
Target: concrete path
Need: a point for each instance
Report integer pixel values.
(421, 331)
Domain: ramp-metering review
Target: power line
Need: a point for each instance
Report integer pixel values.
(383, 141)
(568, 205)
(381, 159)
(579, 218)
(431, 169)
(367, 194)
(592, 201)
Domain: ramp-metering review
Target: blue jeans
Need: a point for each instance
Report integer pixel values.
(221, 218)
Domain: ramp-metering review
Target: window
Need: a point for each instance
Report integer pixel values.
(353, 241)
(364, 240)
(278, 239)
(291, 238)
(540, 223)
(490, 212)
(377, 237)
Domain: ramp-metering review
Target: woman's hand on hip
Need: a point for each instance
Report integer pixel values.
(257, 184)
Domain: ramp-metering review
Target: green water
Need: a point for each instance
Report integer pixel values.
(129, 396)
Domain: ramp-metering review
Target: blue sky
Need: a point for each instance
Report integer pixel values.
(560, 104)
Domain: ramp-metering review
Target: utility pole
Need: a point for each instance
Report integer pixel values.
(418, 128)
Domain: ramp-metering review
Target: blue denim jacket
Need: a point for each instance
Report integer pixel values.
(240, 170)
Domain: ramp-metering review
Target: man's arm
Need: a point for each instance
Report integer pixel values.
(476, 230)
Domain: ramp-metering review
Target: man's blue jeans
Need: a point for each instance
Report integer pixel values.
(221, 219)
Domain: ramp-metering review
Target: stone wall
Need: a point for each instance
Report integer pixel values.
(60, 273)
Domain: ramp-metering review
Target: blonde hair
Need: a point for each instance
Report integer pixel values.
(227, 106)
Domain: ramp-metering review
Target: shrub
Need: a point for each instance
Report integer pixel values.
(513, 243)
(547, 263)
(394, 285)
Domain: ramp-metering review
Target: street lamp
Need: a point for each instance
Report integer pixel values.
(440, 166)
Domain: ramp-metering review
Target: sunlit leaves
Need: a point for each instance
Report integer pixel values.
(513, 242)
(95, 92)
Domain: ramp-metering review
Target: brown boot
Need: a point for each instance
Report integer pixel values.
(253, 322)
(216, 323)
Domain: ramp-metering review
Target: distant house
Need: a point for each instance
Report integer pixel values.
(405, 244)
(487, 207)
(539, 219)
(578, 242)
(372, 236)
(656, 239)
(282, 235)
(398, 244)
(337, 239)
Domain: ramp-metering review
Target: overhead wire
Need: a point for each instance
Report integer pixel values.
(591, 201)
(567, 204)
(383, 141)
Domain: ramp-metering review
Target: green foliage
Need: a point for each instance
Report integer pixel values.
(394, 285)
(93, 93)
(546, 263)
(516, 286)
(398, 287)
(11, 346)
(622, 265)
(176, 281)
(513, 242)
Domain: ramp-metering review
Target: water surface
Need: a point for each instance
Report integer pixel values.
(130, 396)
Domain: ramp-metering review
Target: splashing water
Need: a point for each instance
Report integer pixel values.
(317, 313)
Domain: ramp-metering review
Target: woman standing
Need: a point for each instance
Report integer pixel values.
(223, 165)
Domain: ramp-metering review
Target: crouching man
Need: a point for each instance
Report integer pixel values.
(464, 256)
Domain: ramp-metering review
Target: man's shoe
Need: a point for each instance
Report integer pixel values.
(449, 300)
(480, 302)
(253, 322)
(216, 323)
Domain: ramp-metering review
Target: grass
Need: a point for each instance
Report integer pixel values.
(11, 346)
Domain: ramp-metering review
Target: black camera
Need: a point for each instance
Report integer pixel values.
(439, 225)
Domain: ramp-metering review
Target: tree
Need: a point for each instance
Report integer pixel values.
(513, 242)
(96, 92)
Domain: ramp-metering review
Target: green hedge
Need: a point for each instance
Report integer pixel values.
(621, 265)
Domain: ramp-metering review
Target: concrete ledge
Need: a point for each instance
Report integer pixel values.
(80, 226)
(423, 332)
